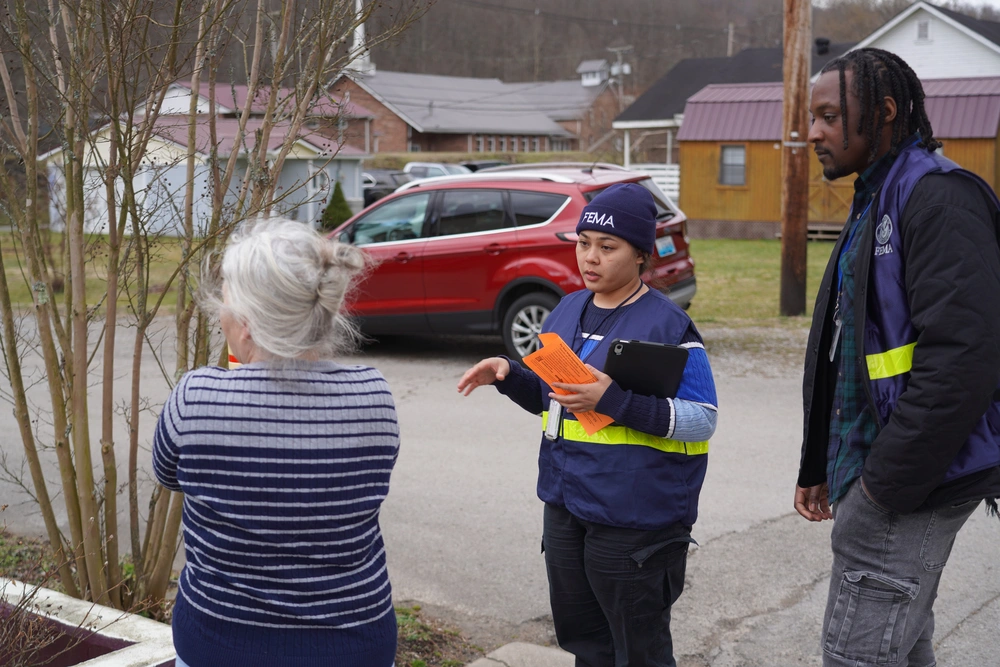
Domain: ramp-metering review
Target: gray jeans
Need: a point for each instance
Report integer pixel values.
(886, 569)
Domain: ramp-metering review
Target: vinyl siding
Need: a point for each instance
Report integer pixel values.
(976, 155)
(948, 53)
(702, 197)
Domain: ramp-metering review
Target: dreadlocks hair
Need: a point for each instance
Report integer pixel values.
(879, 74)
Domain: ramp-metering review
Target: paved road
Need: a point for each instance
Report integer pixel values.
(463, 525)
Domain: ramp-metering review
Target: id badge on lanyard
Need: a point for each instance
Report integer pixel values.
(838, 325)
(555, 420)
(838, 318)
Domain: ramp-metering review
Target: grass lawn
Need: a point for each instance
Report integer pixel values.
(739, 282)
(165, 254)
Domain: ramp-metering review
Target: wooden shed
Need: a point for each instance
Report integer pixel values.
(730, 154)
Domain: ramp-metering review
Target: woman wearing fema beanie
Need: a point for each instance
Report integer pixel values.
(619, 505)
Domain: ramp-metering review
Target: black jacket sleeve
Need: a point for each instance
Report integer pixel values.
(952, 275)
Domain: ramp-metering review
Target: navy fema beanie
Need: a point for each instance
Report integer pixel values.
(625, 210)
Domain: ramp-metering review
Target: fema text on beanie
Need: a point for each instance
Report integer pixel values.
(625, 210)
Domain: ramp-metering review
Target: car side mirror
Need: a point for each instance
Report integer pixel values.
(344, 236)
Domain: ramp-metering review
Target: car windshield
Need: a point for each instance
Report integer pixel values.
(664, 208)
(456, 169)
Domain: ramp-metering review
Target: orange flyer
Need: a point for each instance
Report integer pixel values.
(556, 362)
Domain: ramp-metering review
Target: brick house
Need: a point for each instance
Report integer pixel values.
(425, 112)
(585, 111)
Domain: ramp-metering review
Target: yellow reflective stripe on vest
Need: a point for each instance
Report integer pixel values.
(621, 435)
(890, 364)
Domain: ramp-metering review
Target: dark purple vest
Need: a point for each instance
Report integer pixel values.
(889, 337)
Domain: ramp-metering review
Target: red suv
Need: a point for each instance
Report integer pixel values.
(493, 252)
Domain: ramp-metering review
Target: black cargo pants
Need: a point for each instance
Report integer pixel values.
(611, 589)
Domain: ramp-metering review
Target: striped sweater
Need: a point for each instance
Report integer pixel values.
(283, 475)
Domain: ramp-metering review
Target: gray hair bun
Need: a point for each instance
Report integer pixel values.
(288, 284)
(341, 264)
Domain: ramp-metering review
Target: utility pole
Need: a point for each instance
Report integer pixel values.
(794, 156)
(619, 70)
(729, 45)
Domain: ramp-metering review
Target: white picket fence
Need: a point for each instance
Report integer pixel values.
(666, 176)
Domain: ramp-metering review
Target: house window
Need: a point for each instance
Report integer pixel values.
(493, 144)
(513, 144)
(732, 168)
(414, 148)
(534, 144)
(923, 31)
(479, 144)
(503, 143)
(524, 144)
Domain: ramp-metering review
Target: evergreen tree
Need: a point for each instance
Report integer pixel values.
(336, 211)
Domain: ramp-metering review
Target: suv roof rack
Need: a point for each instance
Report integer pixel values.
(481, 176)
(586, 167)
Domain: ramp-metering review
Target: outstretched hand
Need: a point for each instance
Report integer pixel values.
(486, 371)
(585, 397)
(813, 502)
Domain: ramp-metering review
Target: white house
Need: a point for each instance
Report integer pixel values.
(315, 162)
(593, 72)
(939, 43)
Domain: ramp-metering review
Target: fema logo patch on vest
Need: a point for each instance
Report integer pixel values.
(882, 235)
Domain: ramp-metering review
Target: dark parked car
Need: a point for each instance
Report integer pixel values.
(476, 165)
(381, 182)
(491, 253)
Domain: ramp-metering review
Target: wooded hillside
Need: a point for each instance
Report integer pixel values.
(541, 40)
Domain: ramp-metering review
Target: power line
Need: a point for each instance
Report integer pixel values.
(572, 18)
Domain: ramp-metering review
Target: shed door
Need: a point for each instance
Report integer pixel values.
(829, 201)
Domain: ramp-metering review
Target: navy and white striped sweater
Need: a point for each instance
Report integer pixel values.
(283, 473)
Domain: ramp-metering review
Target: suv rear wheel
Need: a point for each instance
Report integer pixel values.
(523, 322)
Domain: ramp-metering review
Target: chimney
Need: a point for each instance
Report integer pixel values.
(362, 63)
(822, 46)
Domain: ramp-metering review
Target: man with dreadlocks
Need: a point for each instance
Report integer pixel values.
(902, 420)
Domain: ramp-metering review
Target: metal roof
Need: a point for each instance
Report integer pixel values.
(591, 66)
(459, 105)
(174, 128)
(957, 109)
(234, 98)
(667, 96)
(559, 100)
(733, 112)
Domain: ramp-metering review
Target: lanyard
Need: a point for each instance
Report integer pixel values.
(847, 245)
(554, 424)
(579, 324)
(838, 322)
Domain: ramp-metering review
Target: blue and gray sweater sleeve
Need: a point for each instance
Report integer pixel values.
(166, 450)
(691, 416)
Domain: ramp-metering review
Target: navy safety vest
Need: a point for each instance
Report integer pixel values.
(619, 476)
(888, 334)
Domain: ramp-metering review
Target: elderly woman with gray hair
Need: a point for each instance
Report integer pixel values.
(284, 463)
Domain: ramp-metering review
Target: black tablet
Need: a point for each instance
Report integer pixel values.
(649, 369)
